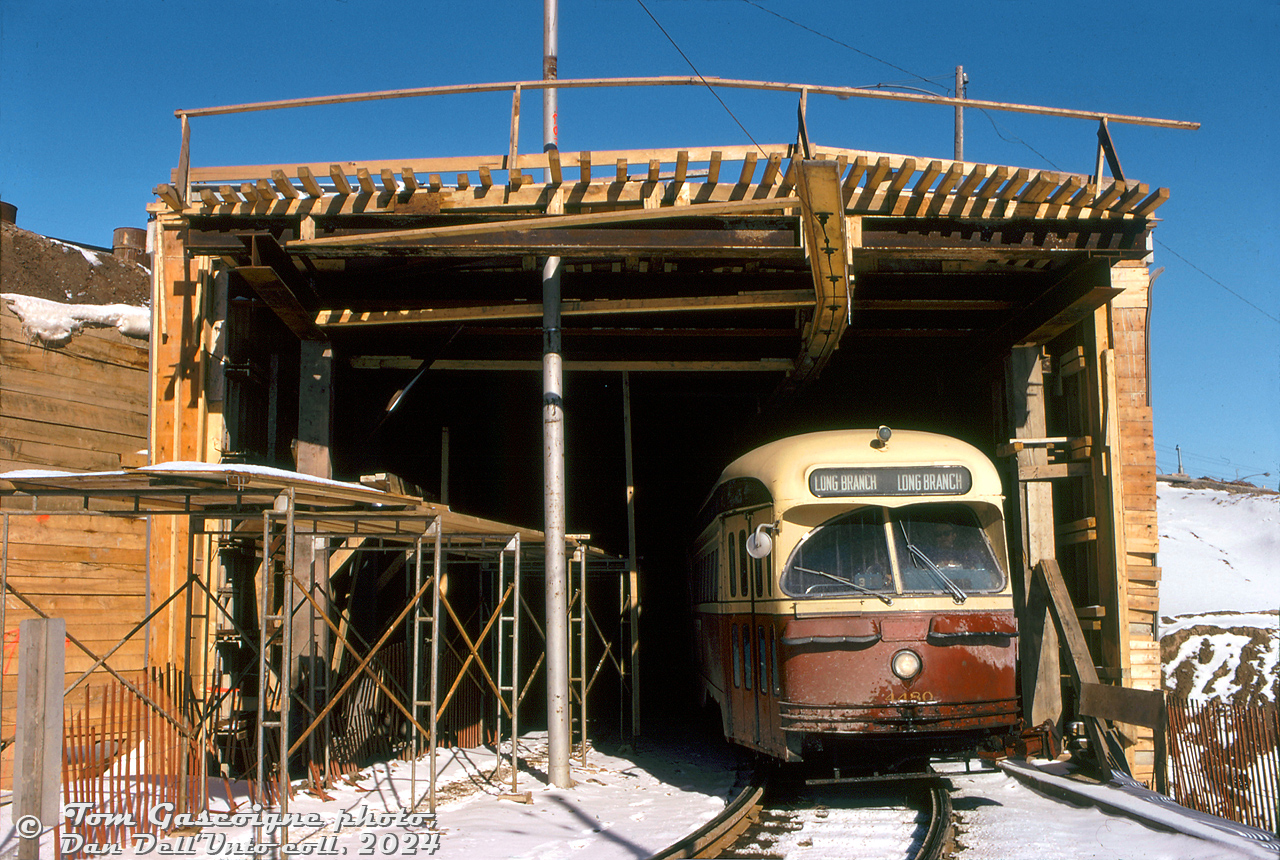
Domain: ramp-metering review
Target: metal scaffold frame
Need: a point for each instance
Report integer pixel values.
(290, 590)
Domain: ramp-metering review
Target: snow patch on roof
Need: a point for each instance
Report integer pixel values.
(56, 323)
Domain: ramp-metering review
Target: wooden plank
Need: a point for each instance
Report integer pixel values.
(76, 389)
(713, 166)
(1152, 203)
(389, 183)
(854, 176)
(550, 222)
(340, 180)
(1080, 666)
(1014, 185)
(748, 168)
(1123, 704)
(530, 310)
(366, 181)
(553, 166)
(1054, 471)
(283, 185)
(21, 406)
(1111, 194)
(410, 179)
(61, 434)
(994, 181)
(309, 183)
(620, 171)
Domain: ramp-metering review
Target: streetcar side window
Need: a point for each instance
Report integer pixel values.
(733, 567)
(773, 651)
(763, 673)
(742, 559)
(846, 556)
(746, 656)
(737, 657)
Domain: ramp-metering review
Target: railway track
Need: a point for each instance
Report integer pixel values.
(772, 818)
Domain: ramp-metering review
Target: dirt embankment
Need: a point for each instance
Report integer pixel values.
(35, 265)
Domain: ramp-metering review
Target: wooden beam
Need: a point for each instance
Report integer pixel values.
(553, 166)
(332, 318)
(584, 167)
(738, 207)
(763, 365)
(389, 183)
(308, 181)
(366, 181)
(748, 168)
(282, 183)
(339, 180)
(410, 179)
(277, 296)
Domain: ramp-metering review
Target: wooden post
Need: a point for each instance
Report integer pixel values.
(1041, 685)
(310, 631)
(38, 758)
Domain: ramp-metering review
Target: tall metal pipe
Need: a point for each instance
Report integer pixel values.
(961, 80)
(557, 604)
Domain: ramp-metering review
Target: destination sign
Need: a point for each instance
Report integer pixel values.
(890, 481)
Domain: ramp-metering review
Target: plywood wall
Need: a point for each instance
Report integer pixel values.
(82, 406)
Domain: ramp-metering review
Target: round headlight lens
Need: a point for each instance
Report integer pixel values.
(906, 664)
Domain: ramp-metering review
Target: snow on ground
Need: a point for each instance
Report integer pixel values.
(1000, 818)
(1220, 594)
(619, 807)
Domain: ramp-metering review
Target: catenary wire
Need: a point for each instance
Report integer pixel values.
(700, 77)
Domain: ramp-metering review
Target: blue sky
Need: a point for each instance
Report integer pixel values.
(88, 90)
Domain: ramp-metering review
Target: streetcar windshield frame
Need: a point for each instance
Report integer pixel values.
(874, 551)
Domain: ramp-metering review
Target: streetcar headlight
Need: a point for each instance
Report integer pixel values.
(905, 664)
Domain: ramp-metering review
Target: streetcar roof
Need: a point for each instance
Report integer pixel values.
(784, 466)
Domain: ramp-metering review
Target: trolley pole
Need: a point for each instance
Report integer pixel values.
(557, 607)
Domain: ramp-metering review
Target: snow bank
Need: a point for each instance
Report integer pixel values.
(56, 323)
(1218, 551)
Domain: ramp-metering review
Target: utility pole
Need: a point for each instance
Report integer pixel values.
(557, 611)
(961, 80)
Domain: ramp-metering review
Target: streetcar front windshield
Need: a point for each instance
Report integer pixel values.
(843, 557)
(940, 549)
(952, 538)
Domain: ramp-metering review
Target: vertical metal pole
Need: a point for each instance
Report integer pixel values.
(415, 688)
(961, 80)
(436, 573)
(515, 667)
(558, 740)
(286, 659)
(582, 649)
(633, 575)
(264, 611)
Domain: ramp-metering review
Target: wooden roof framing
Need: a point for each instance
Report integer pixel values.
(802, 245)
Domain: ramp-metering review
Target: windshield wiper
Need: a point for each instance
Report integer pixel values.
(922, 560)
(847, 582)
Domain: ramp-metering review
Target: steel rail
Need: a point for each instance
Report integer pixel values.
(723, 830)
(726, 828)
(939, 832)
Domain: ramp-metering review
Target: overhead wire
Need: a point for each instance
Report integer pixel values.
(710, 88)
(1219, 283)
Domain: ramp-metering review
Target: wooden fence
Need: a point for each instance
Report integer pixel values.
(125, 756)
(1225, 760)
